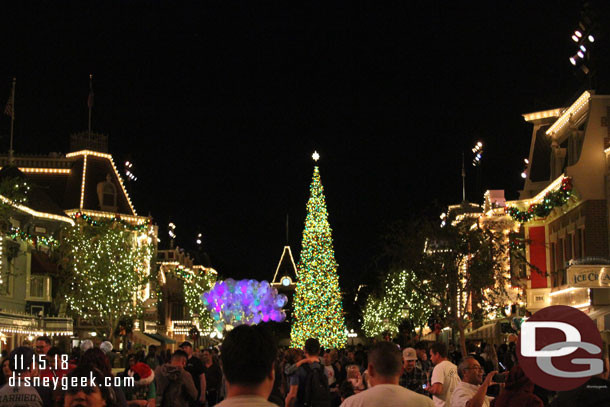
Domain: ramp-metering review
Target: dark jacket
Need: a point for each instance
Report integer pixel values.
(177, 381)
(519, 391)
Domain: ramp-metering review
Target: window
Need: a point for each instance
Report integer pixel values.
(568, 247)
(6, 283)
(578, 244)
(39, 287)
(559, 261)
(109, 195)
(36, 286)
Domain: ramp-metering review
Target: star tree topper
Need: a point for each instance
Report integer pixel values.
(315, 156)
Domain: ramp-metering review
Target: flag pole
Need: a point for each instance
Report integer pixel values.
(11, 159)
(90, 101)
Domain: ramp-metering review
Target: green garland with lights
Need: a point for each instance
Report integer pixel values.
(318, 311)
(398, 300)
(552, 200)
(34, 240)
(117, 219)
(109, 270)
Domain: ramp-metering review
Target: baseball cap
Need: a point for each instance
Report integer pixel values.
(186, 343)
(409, 354)
(17, 354)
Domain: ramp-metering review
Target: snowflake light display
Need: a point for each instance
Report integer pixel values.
(243, 302)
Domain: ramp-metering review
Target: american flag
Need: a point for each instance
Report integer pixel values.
(8, 109)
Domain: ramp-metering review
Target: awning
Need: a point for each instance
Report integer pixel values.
(139, 337)
(488, 332)
(161, 338)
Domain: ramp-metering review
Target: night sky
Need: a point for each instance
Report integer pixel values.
(220, 105)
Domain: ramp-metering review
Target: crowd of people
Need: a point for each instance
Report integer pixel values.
(250, 370)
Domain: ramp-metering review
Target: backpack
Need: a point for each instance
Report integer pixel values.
(317, 393)
(172, 393)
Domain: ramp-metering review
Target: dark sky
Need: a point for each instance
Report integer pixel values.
(220, 105)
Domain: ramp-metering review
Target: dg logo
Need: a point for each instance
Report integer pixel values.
(560, 348)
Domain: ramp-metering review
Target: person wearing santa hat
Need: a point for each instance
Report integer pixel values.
(144, 391)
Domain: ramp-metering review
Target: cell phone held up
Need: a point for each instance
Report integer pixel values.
(500, 377)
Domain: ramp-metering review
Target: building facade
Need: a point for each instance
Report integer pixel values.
(563, 208)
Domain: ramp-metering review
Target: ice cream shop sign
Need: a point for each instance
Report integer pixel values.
(589, 276)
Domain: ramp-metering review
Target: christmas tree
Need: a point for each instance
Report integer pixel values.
(318, 312)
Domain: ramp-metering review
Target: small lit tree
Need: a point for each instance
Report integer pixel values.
(398, 300)
(107, 271)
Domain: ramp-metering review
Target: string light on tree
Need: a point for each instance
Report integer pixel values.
(109, 271)
(318, 311)
(398, 300)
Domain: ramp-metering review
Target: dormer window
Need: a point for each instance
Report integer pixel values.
(107, 195)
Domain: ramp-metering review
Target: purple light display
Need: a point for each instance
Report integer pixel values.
(243, 302)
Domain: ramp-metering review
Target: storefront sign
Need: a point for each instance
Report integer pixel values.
(589, 276)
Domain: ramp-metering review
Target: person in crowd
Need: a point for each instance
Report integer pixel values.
(422, 357)
(248, 353)
(43, 344)
(213, 377)
(131, 361)
(330, 376)
(96, 358)
(300, 380)
(473, 350)
(19, 394)
(510, 358)
(346, 389)
(152, 359)
(75, 355)
(444, 376)
(518, 391)
(5, 372)
(86, 345)
(143, 392)
(107, 347)
(94, 394)
(472, 390)
(355, 378)
(53, 365)
(384, 369)
(454, 355)
(594, 392)
(174, 384)
(291, 357)
(277, 395)
(338, 367)
(490, 358)
(412, 377)
(195, 367)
